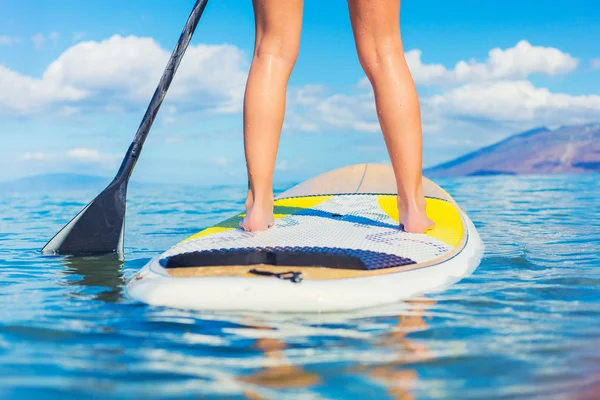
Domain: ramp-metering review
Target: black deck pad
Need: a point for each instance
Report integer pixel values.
(326, 257)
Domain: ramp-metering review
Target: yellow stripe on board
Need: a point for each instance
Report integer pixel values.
(448, 223)
(282, 208)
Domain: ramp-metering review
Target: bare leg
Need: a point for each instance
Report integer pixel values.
(376, 27)
(278, 26)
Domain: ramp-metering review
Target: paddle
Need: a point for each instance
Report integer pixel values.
(99, 227)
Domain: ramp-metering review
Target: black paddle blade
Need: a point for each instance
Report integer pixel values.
(97, 229)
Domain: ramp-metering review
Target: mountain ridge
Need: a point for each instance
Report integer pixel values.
(567, 149)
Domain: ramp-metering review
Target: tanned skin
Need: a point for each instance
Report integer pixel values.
(376, 28)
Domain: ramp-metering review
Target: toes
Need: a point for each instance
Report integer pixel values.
(241, 226)
(416, 227)
(250, 226)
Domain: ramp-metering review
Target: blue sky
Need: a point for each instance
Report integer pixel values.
(77, 76)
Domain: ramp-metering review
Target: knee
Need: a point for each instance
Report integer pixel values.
(282, 47)
(375, 52)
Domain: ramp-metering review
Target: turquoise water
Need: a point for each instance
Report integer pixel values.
(526, 324)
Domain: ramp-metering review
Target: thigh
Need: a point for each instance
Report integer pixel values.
(278, 26)
(375, 22)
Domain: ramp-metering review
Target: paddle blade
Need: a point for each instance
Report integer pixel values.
(97, 229)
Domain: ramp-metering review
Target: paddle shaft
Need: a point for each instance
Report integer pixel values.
(99, 227)
(135, 148)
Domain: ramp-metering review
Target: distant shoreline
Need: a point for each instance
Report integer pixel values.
(565, 151)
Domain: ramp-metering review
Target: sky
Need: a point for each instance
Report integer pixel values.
(76, 78)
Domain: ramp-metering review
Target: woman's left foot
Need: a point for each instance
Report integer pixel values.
(413, 219)
(416, 222)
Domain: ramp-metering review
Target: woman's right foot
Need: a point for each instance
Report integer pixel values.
(259, 215)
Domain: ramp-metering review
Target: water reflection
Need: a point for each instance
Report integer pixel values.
(398, 381)
(102, 274)
(282, 375)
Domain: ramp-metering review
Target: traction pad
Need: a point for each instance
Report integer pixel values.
(326, 257)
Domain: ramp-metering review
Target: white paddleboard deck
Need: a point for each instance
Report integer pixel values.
(336, 245)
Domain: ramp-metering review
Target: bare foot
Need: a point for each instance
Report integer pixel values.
(259, 215)
(414, 219)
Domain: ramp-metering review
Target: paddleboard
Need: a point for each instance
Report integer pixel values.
(336, 246)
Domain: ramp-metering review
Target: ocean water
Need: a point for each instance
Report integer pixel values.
(526, 324)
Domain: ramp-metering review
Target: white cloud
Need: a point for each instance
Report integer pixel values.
(173, 139)
(283, 165)
(38, 156)
(513, 63)
(307, 95)
(425, 74)
(170, 112)
(213, 76)
(38, 41)
(516, 104)
(122, 72)
(477, 93)
(77, 36)
(311, 109)
(22, 94)
(517, 62)
(7, 40)
(349, 112)
(596, 63)
(88, 155)
(422, 74)
(76, 157)
(221, 161)
(66, 111)
(514, 101)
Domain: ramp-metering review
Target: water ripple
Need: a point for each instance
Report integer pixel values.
(524, 325)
